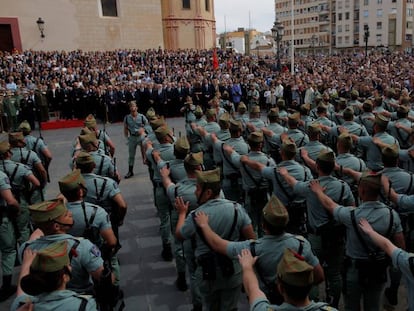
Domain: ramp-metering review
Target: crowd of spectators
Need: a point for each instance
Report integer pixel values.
(74, 84)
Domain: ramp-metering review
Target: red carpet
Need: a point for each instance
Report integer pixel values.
(60, 124)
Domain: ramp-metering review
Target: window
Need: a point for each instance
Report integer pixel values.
(379, 1)
(207, 2)
(365, 13)
(186, 4)
(339, 28)
(379, 13)
(378, 38)
(379, 25)
(109, 8)
(347, 16)
(347, 28)
(339, 16)
(366, 2)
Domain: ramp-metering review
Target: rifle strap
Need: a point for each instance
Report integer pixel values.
(101, 165)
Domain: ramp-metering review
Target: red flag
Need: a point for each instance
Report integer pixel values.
(215, 60)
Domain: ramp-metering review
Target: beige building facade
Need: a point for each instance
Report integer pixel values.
(332, 26)
(92, 25)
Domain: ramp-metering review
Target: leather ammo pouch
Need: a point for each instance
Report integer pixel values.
(332, 233)
(373, 269)
(258, 197)
(209, 260)
(234, 179)
(208, 265)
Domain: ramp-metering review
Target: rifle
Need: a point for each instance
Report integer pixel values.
(109, 297)
(115, 177)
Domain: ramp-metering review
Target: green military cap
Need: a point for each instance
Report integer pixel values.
(354, 93)
(25, 126)
(318, 97)
(87, 139)
(208, 177)
(326, 156)
(372, 179)
(198, 112)
(241, 107)
(255, 137)
(156, 123)
(255, 109)
(162, 131)
(274, 112)
(84, 158)
(314, 128)
(224, 117)
(294, 270)
(280, 102)
(381, 120)
(210, 113)
(348, 112)
(304, 109)
(182, 145)
(367, 104)
(90, 121)
(85, 130)
(4, 146)
(391, 151)
(132, 103)
(150, 113)
(275, 213)
(403, 109)
(52, 258)
(391, 91)
(346, 140)
(194, 159)
(71, 181)
(16, 137)
(47, 210)
(378, 100)
(289, 147)
(294, 116)
(321, 108)
(235, 125)
(342, 100)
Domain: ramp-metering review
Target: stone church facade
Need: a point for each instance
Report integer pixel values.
(92, 25)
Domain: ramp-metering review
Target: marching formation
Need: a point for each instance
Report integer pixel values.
(317, 194)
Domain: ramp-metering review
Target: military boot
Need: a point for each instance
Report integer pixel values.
(181, 282)
(166, 253)
(130, 172)
(7, 290)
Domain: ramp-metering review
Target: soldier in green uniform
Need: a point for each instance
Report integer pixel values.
(296, 206)
(269, 248)
(22, 182)
(44, 278)
(314, 146)
(103, 191)
(193, 136)
(295, 280)
(11, 108)
(90, 221)
(184, 253)
(220, 280)
(132, 123)
(255, 118)
(325, 236)
(166, 152)
(53, 220)
(232, 179)
(30, 158)
(102, 135)
(256, 188)
(8, 211)
(104, 164)
(365, 264)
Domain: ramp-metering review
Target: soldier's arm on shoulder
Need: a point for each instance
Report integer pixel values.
(33, 180)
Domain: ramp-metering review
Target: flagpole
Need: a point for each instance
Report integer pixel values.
(292, 56)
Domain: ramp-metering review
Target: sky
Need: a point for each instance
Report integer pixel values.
(262, 14)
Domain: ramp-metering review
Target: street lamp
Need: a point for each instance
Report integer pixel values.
(41, 25)
(277, 34)
(366, 36)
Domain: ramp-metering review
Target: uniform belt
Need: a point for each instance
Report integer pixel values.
(158, 184)
(134, 134)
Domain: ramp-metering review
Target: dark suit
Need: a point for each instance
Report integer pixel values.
(111, 102)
